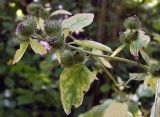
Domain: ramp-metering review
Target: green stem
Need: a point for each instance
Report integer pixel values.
(106, 71)
(112, 58)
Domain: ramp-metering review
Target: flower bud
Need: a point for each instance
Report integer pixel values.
(55, 41)
(132, 23)
(53, 27)
(128, 36)
(67, 58)
(27, 27)
(79, 56)
(155, 69)
(20, 38)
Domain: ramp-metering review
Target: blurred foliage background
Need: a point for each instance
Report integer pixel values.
(31, 88)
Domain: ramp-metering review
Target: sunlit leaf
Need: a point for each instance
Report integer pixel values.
(147, 92)
(40, 24)
(58, 55)
(153, 84)
(20, 52)
(155, 112)
(139, 76)
(74, 81)
(146, 81)
(66, 32)
(116, 109)
(97, 111)
(37, 47)
(59, 12)
(105, 62)
(92, 44)
(78, 21)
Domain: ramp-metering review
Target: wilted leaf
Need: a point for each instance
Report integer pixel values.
(92, 44)
(74, 81)
(97, 111)
(78, 21)
(59, 12)
(37, 47)
(20, 52)
(116, 109)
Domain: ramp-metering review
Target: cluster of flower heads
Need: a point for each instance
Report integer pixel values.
(51, 32)
(28, 27)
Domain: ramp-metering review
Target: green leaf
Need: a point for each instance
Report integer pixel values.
(40, 24)
(74, 81)
(37, 47)
(20, 52)
(92, 44)
(59, 12)
(142, 41)
(144, 55)
(25, 99)
(78, 21)
(58, 56)
(153, 84)
(66, 33)
(118, 50)
(105, 62)
(139, 76)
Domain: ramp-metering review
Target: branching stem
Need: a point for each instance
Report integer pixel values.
(111, 58)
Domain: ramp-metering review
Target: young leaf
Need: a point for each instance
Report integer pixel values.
(78, 21)
(137, 45)
(74, 81)
(59, 12)
(58, 55)
(20, 52)
(133, 49)
(105, 62)
(40, 24)
(144, 55)
(118, 50)
(37, 47)
(153, 84)
(137, 75)
(66, 33)
(92, 44)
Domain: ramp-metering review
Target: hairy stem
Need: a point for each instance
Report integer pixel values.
(111, 58)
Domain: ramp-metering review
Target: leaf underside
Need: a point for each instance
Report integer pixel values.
(37, 47)
(20, 52)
